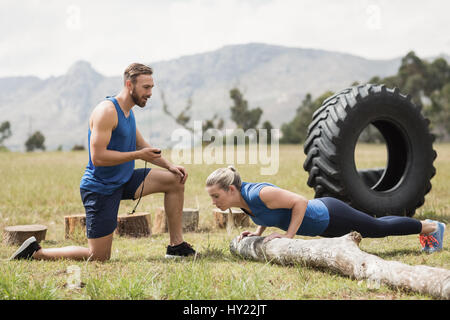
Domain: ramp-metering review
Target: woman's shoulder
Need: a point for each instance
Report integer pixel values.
(251, 190)
(256, 185)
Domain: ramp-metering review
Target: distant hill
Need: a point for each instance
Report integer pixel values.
(274, 78)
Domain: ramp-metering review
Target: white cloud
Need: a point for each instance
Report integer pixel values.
(45, 37)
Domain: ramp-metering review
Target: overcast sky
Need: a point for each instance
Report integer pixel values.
(45, 37)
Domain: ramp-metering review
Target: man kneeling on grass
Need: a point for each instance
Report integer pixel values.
(114, 144)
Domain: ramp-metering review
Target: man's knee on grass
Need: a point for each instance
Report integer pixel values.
(99, 255)
(100, 248)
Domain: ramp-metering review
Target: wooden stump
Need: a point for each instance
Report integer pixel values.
(134, 225)
(237, 219)
(342, 255)
(190, 220)
(75, 225)
(16, 235)
(160, 222)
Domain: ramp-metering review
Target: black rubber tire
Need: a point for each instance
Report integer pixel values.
(371, 176)
(398, 189)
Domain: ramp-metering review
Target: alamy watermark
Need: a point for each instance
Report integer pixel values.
(73, 21)
(373, 21)
(227, 147)
(73, 277)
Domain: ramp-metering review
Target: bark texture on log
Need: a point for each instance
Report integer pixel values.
(134, 225)
(237, 219)
(16, 235)
(343, 256)
(190, 220)
(75, 225)
(159, 221)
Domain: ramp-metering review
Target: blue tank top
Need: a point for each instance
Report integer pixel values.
(106, 180)
(314, 223)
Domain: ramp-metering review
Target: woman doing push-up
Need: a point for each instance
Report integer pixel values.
(271, 206)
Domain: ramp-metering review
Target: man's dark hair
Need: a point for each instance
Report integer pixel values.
(134, 70)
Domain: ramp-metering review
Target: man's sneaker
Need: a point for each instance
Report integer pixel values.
(180, 251)
(433, 242)
(26, 250)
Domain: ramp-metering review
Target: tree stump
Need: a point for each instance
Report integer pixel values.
(190, 220)
(134, 225)
(16, 235)
(237, 219)
(342, 255)
(75, 225)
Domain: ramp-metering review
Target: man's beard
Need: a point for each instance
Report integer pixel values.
(137, 100)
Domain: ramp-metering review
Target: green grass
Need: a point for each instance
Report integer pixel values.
(43, 187)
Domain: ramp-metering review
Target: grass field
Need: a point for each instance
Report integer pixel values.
(43, 187)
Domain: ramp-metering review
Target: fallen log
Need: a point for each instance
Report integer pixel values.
(342, 255)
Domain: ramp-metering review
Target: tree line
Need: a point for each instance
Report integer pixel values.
(427, 82)
(35, 141)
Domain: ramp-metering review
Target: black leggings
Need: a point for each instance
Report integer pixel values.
(344, 219)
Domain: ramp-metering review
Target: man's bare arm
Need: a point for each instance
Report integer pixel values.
(103, 120)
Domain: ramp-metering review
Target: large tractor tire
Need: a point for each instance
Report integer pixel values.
(399, 188)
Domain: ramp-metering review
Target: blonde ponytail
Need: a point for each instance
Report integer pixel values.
(224, 178)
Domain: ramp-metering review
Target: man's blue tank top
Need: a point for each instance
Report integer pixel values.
(106, 180)
(314, 223)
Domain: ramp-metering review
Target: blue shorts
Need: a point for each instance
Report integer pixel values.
(102, 209)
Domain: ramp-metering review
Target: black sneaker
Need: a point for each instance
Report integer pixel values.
(180, 251)
(26, 250)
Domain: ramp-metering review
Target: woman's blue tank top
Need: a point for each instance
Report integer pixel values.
(106, 180)
(314, 223)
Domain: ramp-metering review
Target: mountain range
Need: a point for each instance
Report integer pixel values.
(274, 78)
